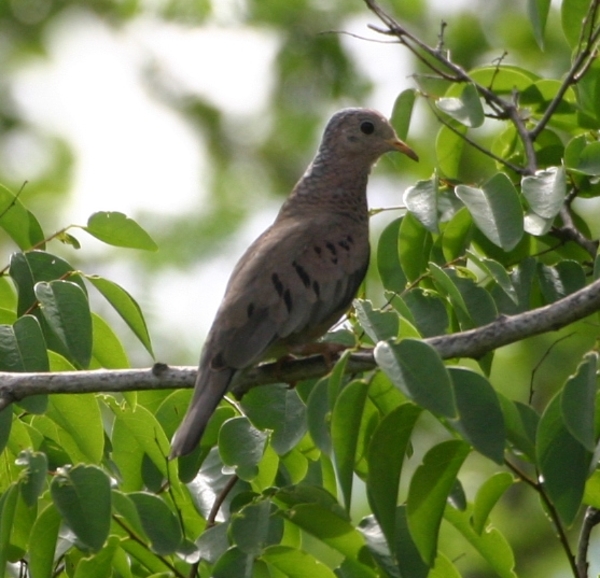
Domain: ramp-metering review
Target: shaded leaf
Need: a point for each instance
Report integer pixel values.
(66, 309)
(418, 371)
(480, 418)
(421, 201)
(563, 462)
(429, 489)
(82, 496)
(387, 449)
(496, 210)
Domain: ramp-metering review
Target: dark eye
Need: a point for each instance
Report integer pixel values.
(367, 127)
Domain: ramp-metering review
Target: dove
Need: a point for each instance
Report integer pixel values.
(300, 276)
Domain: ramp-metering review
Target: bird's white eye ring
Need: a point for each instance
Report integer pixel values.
(367, 127)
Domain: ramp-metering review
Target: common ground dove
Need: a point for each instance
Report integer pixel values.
(300, 276)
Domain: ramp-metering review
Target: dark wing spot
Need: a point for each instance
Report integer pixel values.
(287, 297)
(344, 245)
(316, 288)
(250, 309)
(333, 251)
(317, 249)
(302, 274)
(350, 239)
(277, 284)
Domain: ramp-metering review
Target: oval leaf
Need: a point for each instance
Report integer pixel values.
(545, 191)
(496, 210)
(421, 201)
(82, 496)
(66, 309)
(117, 229)
(418, 371)
(429, 488)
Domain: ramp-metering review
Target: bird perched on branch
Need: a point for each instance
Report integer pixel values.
(300, 276)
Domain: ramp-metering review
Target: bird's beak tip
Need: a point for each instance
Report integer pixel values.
(402, 147)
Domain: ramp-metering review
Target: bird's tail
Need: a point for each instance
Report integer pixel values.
(210, 388)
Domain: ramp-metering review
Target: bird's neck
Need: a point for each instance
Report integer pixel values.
(330, 186)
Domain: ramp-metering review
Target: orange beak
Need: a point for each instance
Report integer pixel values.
(402, 147)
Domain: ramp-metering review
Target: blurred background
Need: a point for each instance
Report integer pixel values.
(196, 118)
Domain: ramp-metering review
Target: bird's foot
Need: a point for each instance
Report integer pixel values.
(328, 349)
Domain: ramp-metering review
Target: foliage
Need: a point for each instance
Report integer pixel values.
(272, 490)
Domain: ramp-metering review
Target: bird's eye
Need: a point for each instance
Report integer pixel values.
(367, 127)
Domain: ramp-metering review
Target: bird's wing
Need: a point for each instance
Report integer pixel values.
(291, 285)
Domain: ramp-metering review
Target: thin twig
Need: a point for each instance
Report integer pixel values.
(562, 535)
(591, 519)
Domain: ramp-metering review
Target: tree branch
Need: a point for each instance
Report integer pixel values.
(473, 343)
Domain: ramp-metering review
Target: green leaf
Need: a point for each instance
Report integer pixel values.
(388, 260)
(79, 416)
(537, 10)
(562, 280)
(66, 309)
(27, 269)
(107, 350)
(379, 325)
(446, 284)
(386, 452)
(496, 210)
(456, 236)
(480, 418)
(545, 191)
(402, 111)
(318, 415)
(563, 462)
(330, 528)
(487, 497)
(20, 224)
(345, 425)
(421, 201)
(498, 273)
(429, 489)
(449, 147)
(414, 245)
(294, 563)
(137, 432)
(22, 346)
(234, 563)
(409, 560)
(467, 109)
(6, 417)
(8, 505)
(99, 565)
(242, 445)
(33, 478)
(117, 229)
(443, 568)
(44, 535)
(578, 402)
(126, 306)
(427, 311)
(490, 544)
(279, 409)
(573, 13)
(82, 496)
(418, 371)
(255, 527)
(159, 522)
(521, 425)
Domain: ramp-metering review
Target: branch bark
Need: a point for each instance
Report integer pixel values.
(473, 343)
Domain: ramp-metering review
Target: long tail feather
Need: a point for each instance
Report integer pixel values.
(209, 389)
